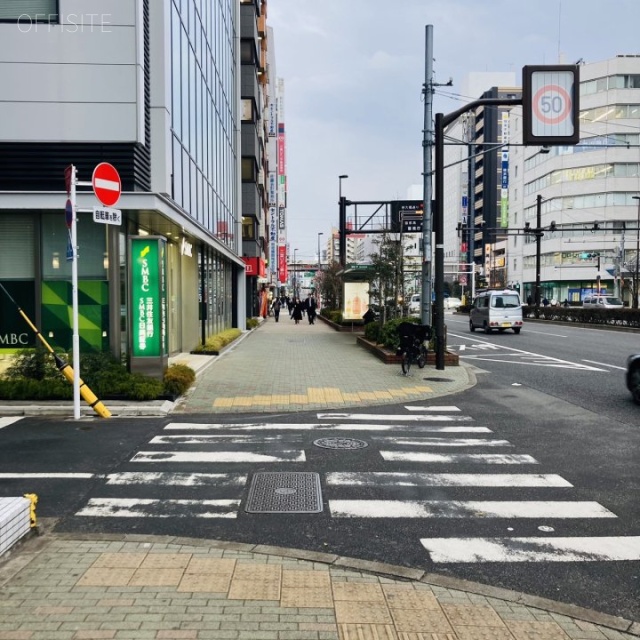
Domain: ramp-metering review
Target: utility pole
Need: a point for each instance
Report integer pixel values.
(427, 146)
(471, 204)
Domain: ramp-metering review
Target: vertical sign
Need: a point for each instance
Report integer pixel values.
(273, 189)
(504, 190)
(282, 263)
(148, 297)
(273, 240)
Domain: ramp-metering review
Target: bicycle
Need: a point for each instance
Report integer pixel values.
(412, 347)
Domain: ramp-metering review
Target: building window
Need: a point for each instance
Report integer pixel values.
(248, 228)
(28, 11)
(249, 173)
(247, 52)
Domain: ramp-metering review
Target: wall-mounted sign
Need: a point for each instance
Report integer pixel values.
(272, 189)
(281, 218)
(148, 296)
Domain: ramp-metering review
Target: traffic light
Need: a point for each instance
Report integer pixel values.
(552, 226)
(589, 256)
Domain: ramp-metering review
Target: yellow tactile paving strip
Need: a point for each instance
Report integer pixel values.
(320, 395)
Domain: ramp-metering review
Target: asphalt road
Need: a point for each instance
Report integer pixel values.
(192, 478)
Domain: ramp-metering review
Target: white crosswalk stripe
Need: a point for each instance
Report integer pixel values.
(411, 445)
(5, 422)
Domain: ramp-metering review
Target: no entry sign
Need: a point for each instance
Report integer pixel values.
(106, 184)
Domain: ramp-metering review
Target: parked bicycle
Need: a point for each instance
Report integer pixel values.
(412, 345)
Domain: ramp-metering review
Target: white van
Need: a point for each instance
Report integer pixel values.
(602, 302)
(496, 309)
(414, 304)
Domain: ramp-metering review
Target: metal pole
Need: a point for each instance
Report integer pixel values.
(74, 297)
(426, 316)
(538, 242)
(439, 254)
(635, 288)
(320, 233)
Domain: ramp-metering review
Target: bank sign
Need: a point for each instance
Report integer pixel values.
(15, 333)
(148, 296)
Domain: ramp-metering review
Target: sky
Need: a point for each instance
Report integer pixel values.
(354, 72)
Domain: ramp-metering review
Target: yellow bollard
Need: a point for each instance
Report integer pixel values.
(32, 511)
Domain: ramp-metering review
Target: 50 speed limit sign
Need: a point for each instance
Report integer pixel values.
(550, 104)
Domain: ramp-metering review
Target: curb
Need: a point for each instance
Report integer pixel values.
(389, 570)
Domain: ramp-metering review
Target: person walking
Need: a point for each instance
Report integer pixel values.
(297, 310)
(276, 308)
(311, 309)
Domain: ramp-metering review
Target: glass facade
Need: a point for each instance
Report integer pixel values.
(204, 113)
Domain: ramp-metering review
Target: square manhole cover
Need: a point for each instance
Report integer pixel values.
(284, 492)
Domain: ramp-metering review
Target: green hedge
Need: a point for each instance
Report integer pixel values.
(613, 317)
(215, 343)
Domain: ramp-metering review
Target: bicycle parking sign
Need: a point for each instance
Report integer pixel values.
(550, 104)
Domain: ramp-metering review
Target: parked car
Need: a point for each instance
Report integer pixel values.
(414, 304)
(633, 376)
(452, 303)
(602, 302)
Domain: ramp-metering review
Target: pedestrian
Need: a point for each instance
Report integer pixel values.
(311, 309)
(276, 308)
(545, 302)
(290, 306)
(565, 303)
(529, 300)
(297, 310)
(369, 316)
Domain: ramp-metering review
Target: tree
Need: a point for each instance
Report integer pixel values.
(329, 284)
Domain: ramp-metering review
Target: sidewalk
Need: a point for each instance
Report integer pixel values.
(74, 587)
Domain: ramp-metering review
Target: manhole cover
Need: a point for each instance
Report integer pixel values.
(438, 379)
(340, 443)
(285, 492)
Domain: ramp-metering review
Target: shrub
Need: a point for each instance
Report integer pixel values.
(144, 388)
(178, 378)
(252, 323)
(389, 335)
(372, 331)
(34, 364)
(335, 316)
(216, 342)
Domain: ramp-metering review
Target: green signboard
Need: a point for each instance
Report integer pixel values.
(148, 297)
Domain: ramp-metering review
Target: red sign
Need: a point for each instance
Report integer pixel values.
(106, 184)
(282, 264)
(255, 267)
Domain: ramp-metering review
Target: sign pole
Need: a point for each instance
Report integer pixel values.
(74, 297)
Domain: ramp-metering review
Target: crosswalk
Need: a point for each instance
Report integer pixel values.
(205, 470)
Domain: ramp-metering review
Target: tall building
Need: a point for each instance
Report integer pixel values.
(151, 87)
(588, 192)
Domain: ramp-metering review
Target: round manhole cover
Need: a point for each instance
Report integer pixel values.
(438, 379)
(340, 443)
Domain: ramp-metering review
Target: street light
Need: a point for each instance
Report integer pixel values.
(340, 179)
(635, 275)
(319, 262)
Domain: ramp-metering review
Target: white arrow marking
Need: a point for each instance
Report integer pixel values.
(596, 549)
(366, 479)
(444, 408)
(217, 456)
(486, 458)
(465, 509)
(143, 508)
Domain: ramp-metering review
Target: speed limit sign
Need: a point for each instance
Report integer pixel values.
(550, 104)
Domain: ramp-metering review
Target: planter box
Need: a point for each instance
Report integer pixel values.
(354, 327)
(389, 357)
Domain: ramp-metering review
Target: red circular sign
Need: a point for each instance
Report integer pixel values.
(106, 184)
(551, 104)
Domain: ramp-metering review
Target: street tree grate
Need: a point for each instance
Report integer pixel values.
(284, 492)
(340, 443)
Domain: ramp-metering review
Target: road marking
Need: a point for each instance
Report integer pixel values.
(53, 476)
(328, 426)
(393, 417)
(147, 508)
(444, 442)
(604, 364)
(486, 458)
(5, 422)
(466, 509)
(369, 479)
(217, 456)
(540, 359)
(226, 439)
(444, 408)
(591, 549)
(179, 479)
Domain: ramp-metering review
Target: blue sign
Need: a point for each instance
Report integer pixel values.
(69, 249)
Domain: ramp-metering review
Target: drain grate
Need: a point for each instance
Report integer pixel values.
(285, 492)
(340, 443)
(438, 379)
